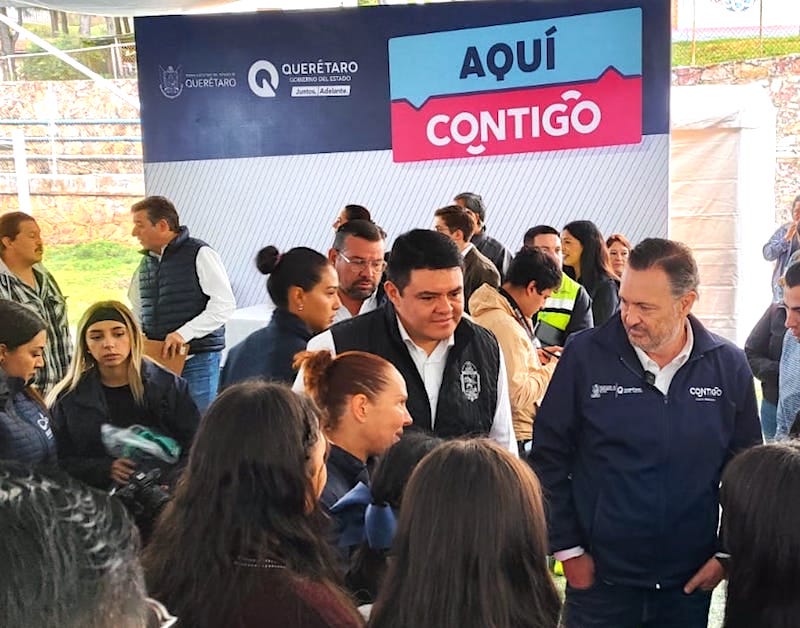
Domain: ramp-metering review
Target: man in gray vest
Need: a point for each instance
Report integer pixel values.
(454, 369)
(181, 294)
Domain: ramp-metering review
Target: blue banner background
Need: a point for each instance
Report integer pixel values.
(232, 122)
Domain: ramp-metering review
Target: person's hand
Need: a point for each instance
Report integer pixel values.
(579, 571)
(172, 345)
(706, 578)
(790, 233)
(121, 470)
(545, 357)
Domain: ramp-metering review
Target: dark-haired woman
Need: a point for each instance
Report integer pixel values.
(239, 546)
(25, 431)
(471, 545)
(364, 400)
(305, 289)
(761, 530)
(586, 260)
(368, 514)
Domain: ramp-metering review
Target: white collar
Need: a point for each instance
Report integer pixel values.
(448, 342)
(467, 249)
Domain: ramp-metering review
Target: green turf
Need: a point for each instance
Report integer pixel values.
(720, 50)
(91, 272)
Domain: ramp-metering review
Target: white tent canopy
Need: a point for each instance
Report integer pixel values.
(722, 174)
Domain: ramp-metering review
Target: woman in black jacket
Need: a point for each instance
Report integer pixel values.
(305, 289)
(25, 432)
(586, 260)
(110, 382)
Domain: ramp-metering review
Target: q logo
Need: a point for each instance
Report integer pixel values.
(266, 88)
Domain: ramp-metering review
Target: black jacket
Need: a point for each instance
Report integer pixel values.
(494, 250)
(763, 349)
(25, 432)
(268, 352)
(468, 393)
(78, 415)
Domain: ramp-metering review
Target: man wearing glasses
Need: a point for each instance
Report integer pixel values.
(357, 256)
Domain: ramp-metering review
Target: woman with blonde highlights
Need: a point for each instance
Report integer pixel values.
(110, 382)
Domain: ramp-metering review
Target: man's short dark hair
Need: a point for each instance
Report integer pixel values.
(791, 278)
(356, 212)
(159, 208)
(420, 249)
(457, 219)
(473, 202)
(531, 264)
(674, 258)
(364, 229)
(10, 225)
(538, 230)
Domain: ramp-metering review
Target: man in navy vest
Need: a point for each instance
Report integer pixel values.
(181, 294)
(454, 370)
(640, 418)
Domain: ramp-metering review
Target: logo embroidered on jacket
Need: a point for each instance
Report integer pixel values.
(598, 390)
(470, 381)
(708, 393)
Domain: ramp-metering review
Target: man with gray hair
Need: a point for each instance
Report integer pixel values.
(640, 418)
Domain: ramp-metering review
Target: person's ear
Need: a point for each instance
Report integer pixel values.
(392, 292)
(296, 297)
(333, 255)
(686, 302)
(359, 406)
(3, 352)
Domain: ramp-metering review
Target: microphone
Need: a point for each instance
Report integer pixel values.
(650, 378)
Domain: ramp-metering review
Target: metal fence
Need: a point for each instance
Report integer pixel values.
(114, 61)
(705, 32)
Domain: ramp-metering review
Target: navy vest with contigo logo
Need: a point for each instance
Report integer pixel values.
(170, 293)
(468, 393)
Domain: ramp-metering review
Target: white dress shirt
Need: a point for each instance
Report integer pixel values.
(367, 305)
(431, 370)
(214, 282)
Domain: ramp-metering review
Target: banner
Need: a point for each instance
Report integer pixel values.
(261, 126)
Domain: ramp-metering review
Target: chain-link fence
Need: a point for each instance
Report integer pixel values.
(705, 32)
(113, 61)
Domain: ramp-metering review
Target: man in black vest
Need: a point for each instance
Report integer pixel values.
(453, 368)
(181, 294)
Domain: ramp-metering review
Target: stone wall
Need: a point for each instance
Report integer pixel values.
(781, 77)
(80, 190)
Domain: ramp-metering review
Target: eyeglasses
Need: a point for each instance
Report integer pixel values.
(376, 266)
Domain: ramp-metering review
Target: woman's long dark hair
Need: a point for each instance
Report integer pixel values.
(761, 530)
(595, 261)
(388, 482)
(471, 546)
(18, 326)
(245, 494)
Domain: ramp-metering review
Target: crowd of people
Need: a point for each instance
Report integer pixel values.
(413, 438)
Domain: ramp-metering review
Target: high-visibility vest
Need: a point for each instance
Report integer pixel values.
(558, 308)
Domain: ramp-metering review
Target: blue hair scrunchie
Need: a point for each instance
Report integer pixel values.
(359, 519)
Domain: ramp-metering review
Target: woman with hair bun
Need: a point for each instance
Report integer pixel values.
(364, 402)
(305, 289)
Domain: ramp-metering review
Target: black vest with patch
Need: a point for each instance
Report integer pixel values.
(468, 393)
(170, 293)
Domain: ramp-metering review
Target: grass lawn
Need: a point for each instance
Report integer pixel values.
(719, 50)
(90, 272)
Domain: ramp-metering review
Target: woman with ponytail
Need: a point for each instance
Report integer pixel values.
(305, 289)
(363, 398)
